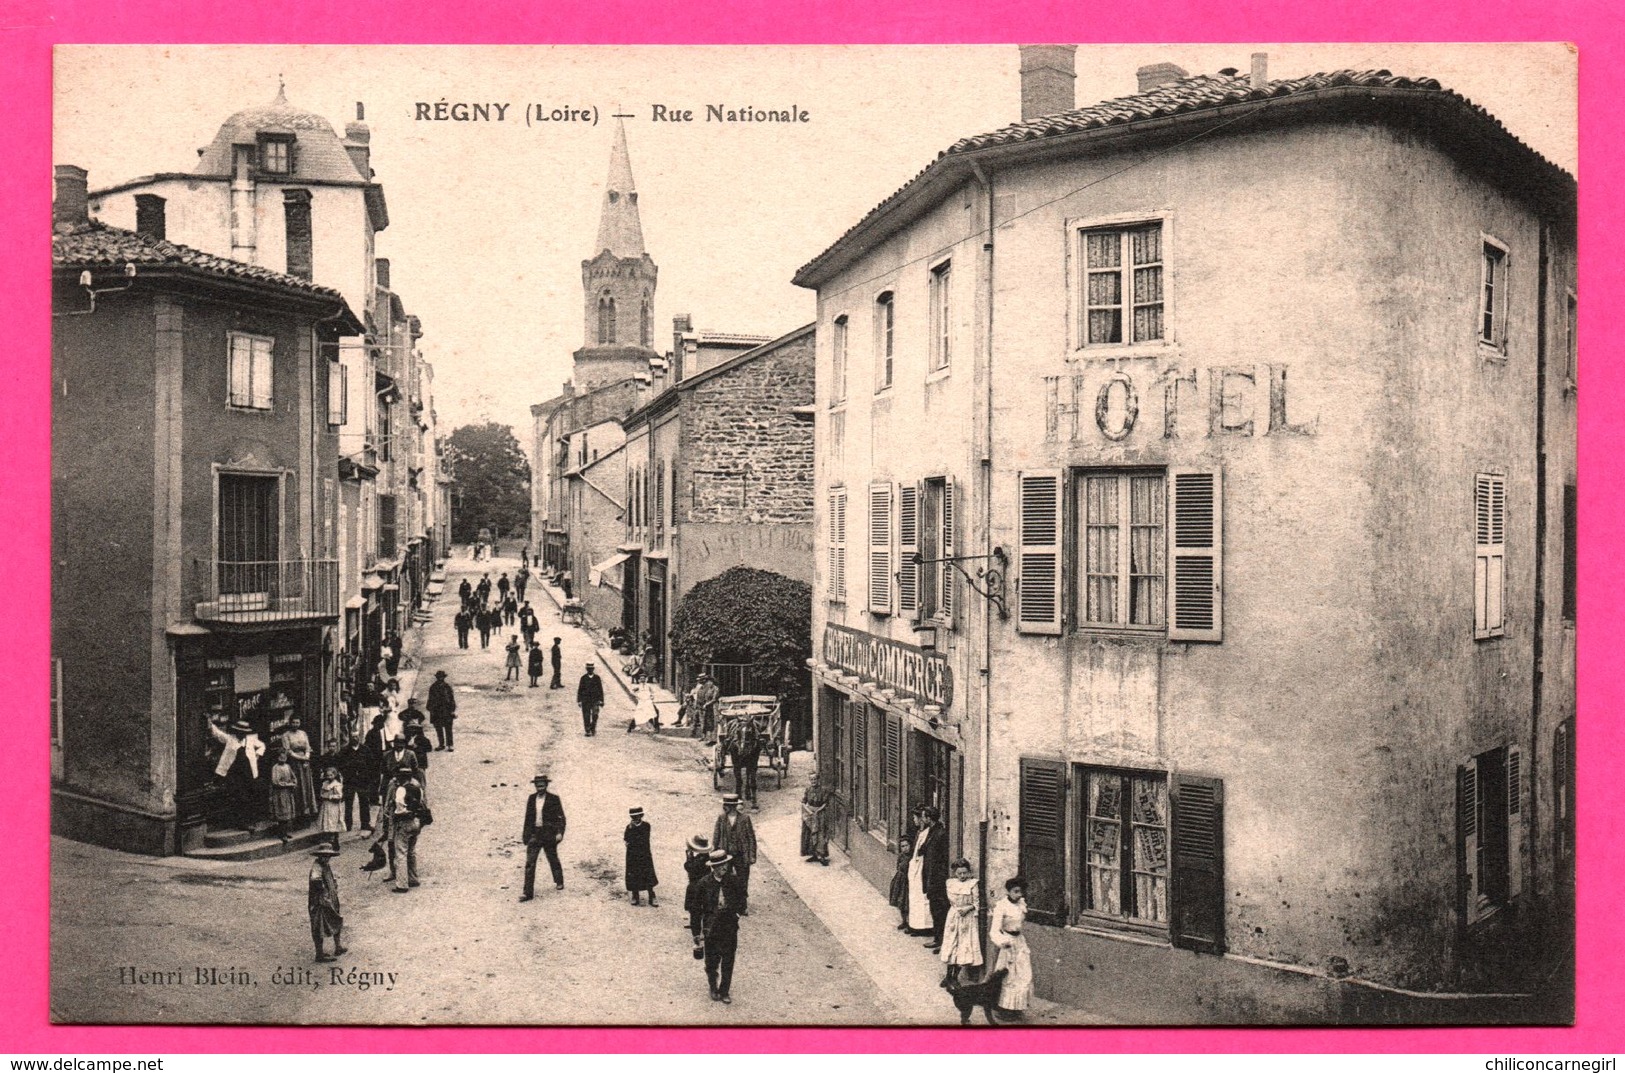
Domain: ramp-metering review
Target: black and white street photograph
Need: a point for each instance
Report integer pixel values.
(986, 535)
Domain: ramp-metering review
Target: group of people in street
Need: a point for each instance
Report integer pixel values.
(287, 788)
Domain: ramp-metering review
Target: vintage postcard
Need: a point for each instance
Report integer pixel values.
(885, 535)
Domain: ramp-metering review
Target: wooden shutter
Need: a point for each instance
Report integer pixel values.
(908, 546)
(1489, 555)
(1042, 838)
(858, 717)
(832, 585)
(880, 538)
(1038, 593)
(1467, 821)
(956, 801)
(945, 584)
(840, 544)
(1514, 822)
(1195, 555)
(892, 776)
(1197, 888)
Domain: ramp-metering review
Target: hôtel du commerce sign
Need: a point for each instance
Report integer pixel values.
(914, 672)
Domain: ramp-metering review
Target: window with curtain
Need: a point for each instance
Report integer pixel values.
(1126, 844)
(1125, 546)
(1122, 300)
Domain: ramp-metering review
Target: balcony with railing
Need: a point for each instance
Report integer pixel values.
(289, 591)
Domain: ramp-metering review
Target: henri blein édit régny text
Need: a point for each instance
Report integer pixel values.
(449, 111)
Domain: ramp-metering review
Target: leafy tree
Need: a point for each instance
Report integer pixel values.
(492, 482)
(748, 616)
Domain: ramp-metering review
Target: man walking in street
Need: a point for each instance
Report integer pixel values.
(521, 581)
(465, 593)
(442, 710)
(556, 656)
(543, 831)
(735, 835)
(705, 696)
(405, 823)
(359, 768)
(590, 695)
(503, 584)
(463, 621)
(721, 895)
(528, 625)
(934, 876)
(483, 622)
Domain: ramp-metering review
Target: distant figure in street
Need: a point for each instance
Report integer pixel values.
(696, 867)
(482, 591)
(512, 661)
(510, 610)
(564, 583)
(284, 797)
(590, 695)
(357, 767)
(1005, 921)
(735, 835)
(520, 581)
(705, 696)
(325, 920)
(465, 592)
(815, 822)
(503, 585)
(961, 946)
(543, 831)
(640, 861)
(556, 656)
(443, 711)
(464, 621)
(416, 739)
(534, 663)
(524, 556)
(528, 625)
(722, 898)
(392, 654)
(482, 619)
(330, 815)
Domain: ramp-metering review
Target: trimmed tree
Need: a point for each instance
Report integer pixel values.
(493, 481)
(748, 616)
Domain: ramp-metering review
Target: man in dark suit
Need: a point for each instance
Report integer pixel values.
(555, 656)
(590, 695)
(934, 877)
(721, 900)
(735, 835)
(544, 830)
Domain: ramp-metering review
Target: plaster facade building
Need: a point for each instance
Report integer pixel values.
(1245, 411)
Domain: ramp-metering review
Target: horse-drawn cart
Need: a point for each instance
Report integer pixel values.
(750, 730)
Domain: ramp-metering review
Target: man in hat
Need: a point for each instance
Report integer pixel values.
(696, 864)
(405, 824)
(735, 835)
(400, 756)
(239, 766)
(416, 739)
(640, 861)
(555, 656)
(544, 830)
(722, 899)
(324, 903)
(590, 695)
(705, 694)
(442, 710)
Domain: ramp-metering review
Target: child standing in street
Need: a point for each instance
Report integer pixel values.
(640, 861)
(513, 659)
(330, 815)
(961, 947)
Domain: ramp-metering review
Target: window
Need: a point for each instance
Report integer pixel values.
(1124, 549)
(385, 428)
(296, 220)
(1563, 786)
(837, 546)
(248, 532)
(1125, 844)
(880, 551)
(338, 393)
(885, 331)
(276, 156)
(56, 719)
(1489, 555)
(1130, 526)
(1493, 299)
(837, 391)
(1571, 553)
(941, 316)
(936, 545)
(250, 372)
(606, 320)
(1122, 300)
(1489, 811)
(1571, 336)
(386, 526)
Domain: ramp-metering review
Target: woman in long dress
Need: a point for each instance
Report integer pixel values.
(961, 947)
(296, 743)
(919, 906)
(284, 797)
(640, 861)
(815, 822)
(331, 816)
(1004, 926)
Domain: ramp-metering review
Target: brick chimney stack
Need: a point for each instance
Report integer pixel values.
(380, 271)
(358, 142)
(1153, 75)
(70, 209)
(1048, 80)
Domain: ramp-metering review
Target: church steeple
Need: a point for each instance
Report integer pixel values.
(619, 229)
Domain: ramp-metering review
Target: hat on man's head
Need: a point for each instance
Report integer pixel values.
(326, 849)
(398, 740)
(540, 776)
(243, 726)
(718, 856)
(730, 800)
(636, 813)
(700, 844)
(704, 677)
(440, 674)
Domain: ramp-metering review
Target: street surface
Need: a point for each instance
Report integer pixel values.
(130, 934)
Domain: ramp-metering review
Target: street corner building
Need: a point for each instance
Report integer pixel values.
(1196, 504)
(247, 490)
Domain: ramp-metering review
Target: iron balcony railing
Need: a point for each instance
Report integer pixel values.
(283, 591)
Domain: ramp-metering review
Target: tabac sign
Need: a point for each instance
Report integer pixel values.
(914, 672)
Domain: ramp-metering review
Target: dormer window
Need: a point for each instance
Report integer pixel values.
(276, 155)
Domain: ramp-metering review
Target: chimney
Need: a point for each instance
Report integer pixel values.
(358, 143)
(1159, 74)
(1048, 77)
(1261, 70)
(380, 271)
(70, 209)
(149, 215)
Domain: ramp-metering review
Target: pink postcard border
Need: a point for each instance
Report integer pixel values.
(28, 29)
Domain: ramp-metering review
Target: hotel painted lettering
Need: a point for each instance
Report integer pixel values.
(911, 671)
(1112, 400)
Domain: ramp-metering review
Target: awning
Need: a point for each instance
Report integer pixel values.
(355, 603)
(372, 583)
(595, 576)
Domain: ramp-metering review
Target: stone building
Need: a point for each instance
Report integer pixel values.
(194, 564)
(1195, 501)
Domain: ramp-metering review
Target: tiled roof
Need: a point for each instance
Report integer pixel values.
(318, 154)
(1180, 97)
(96, 245)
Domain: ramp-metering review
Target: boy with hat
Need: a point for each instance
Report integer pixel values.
(590, 695)
(543, 831)
(695, 863)
(324, 903)
(721, 895)
(640, 861)
(735, 835)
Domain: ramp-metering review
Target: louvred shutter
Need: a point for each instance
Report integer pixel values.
(1197, 813)
(1514, 821)
(908, 546)
(1195, 555)
(1467, 818)
(1489, 558)
(880, 538)
(833, 578)
(893, 779)
(1038, 594)
(1042, 834)
(840, 544)
(945, 596)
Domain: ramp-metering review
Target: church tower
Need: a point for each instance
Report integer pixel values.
(618, 286)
